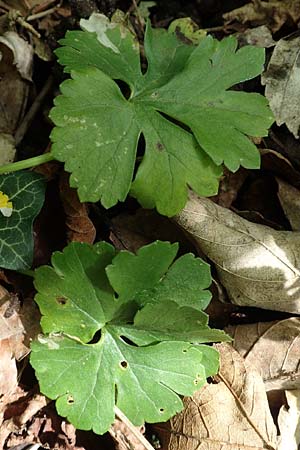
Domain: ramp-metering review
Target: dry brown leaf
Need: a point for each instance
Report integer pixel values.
(273, 13)
(273, 348)
(230, 415)
(283, 84)
(79, 226)
(17, 327)
(289, 422)
(257, 265)
(16, 58)
(289, 198)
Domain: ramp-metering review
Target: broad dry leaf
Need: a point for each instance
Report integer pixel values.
(257, 265)
(273, 13)
(289, 197)
(283, 83)
(289, 422)
(79, 226)
(230, 415)
(17, 327)
(273, 348)
(16, 59)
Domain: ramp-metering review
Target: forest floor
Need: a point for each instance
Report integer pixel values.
(254, 402)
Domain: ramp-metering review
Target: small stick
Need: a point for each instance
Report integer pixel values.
(138, 16)
(41, 14)
(120, 415)
(22, 129)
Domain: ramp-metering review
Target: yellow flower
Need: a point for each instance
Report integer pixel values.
(6, 206)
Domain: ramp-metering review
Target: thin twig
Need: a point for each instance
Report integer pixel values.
(27, 26)
(22, 129)
(138, 16)
(41, 14)
(120, 415)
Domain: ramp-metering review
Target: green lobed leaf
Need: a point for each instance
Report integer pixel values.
(26, 191)
(148, 353)
(182, 105)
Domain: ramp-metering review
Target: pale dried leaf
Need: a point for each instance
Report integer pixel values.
(257, 265)
(273, 348)
(230, 415)
(283, 83)
(289, 422)
(289, 198)
(22, 53)
(7, 148)
(17, 327)
(258, 36)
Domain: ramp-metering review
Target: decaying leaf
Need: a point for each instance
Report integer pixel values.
(258, 36)
(273, 348)
(230, 415)
(257, 265)
(79, 226)
(283, 84)
(289, 197)
(274, 13)
(289, 422)
(17, 326)
(16, 57)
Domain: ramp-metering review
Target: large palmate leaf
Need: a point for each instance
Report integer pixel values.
(26, 191)
(190, 121)
(150, 349)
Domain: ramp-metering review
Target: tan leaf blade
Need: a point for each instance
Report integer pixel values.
(230, 415)
(273, 348)
(289, 422)
(257, 265)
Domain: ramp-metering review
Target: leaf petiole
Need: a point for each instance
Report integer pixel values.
(26, 163)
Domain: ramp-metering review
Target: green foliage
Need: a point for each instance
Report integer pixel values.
(148, 309)
(26, 191)
(190, 121)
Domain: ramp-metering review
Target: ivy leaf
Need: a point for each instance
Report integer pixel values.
(26, 192)
(189, 119)
(147, 354)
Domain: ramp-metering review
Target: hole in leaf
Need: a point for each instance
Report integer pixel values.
(196, 382)
(176, 122)
(124, 88)
(70, 399)
(161, 410)
(124, 364)
(96, 337)
(62, 300)
(141, 147)
(184, 350)
(127, 341)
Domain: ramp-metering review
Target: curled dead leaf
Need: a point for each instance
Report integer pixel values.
(289, 197)
(272, 13)
(79, 226)
(282, 83)
(257, 265)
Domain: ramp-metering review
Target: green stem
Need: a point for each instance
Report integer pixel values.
(26, 163)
